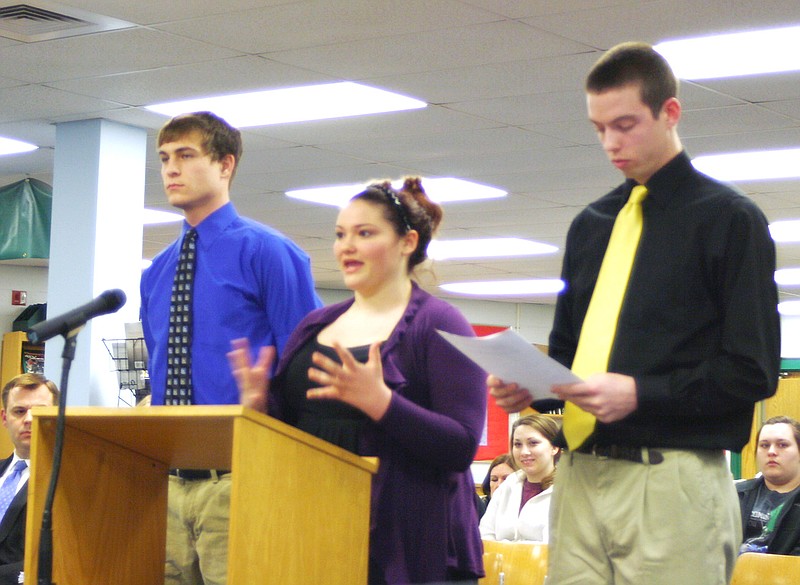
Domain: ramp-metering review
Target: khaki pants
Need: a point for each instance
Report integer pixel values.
(197, 531)
(618, 522)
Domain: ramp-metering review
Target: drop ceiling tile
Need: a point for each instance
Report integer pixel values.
(103, 54)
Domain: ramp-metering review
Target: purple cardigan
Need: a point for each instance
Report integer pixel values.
(423, 518)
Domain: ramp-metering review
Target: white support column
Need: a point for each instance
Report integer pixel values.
(95, 245)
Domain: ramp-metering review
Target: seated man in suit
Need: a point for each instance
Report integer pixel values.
(771, 503)
(20, 395)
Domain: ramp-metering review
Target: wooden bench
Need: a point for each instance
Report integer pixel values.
(519, 563)
(764, 569)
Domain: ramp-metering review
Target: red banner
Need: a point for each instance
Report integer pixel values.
(495, 430)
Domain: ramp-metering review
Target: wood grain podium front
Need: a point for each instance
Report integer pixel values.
(299, 505)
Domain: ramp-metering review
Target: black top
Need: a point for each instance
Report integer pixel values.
(699, 328)
(766, 504)
(786, 537)
(330, 420)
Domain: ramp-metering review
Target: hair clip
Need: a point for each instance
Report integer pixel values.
(392, 196)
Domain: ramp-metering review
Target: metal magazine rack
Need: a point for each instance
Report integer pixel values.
(130, 362)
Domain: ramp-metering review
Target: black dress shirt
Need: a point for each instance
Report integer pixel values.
(699, 328)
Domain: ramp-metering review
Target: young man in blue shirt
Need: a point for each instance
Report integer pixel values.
(249, 281)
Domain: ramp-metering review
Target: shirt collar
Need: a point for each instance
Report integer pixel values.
(665, 180)
(212, 227)
(16, 458)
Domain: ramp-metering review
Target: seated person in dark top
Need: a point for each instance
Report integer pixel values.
(20, 395)
(499, 469)
(771, 503)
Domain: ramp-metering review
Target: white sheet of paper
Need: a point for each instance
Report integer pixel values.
(511, 358)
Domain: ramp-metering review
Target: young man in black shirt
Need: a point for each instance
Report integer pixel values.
(648, 497)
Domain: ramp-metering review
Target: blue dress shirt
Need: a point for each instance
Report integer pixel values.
(250, 281)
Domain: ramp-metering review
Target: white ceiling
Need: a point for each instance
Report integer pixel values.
(503, 79)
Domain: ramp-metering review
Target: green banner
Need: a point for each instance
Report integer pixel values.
(25, 215)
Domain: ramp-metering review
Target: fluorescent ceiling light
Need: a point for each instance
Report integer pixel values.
(506, 287)
(486, 248)
(295, 104)
(336, 195)
(789, 308)
(787, 276)
(736, 54)
(159, 216)
(751, 166)
(785, 231)
(11, 146)
(450, 190)
(440, 190)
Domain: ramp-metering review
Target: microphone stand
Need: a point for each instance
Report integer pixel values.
(45, 569)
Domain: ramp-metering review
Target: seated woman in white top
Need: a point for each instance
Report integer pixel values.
(520, 507)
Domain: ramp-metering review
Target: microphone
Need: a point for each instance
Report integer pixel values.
(109, 301)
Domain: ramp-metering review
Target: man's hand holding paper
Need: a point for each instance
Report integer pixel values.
(509, 397)
(520, 373)
(609, 397)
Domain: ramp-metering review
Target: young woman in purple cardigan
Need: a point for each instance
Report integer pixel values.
(372, 375)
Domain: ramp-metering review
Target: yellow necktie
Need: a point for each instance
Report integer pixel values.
(600, 323)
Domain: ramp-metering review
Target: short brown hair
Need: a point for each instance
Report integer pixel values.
(776, 420)
(635, 64)
(502, 459)
(218, 138)
(29, 382)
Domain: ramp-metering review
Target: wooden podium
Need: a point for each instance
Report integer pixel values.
(299, 505)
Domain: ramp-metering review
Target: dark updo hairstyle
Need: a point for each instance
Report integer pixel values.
(407, 209)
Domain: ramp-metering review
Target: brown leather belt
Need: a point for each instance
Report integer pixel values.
(624, 453)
